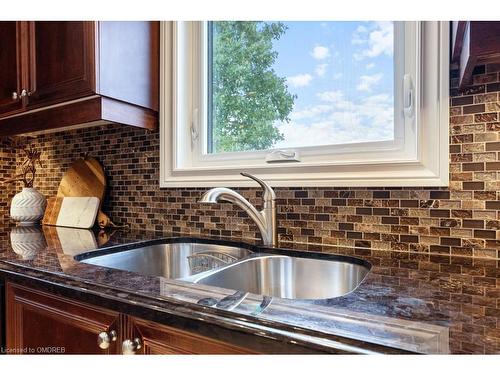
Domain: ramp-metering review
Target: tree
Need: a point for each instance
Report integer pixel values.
(248, 95)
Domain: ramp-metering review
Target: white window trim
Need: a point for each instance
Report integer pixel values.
(429, 166)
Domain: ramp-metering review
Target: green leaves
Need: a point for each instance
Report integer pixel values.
(248, 95)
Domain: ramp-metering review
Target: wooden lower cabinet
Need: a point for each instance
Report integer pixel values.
(158, 339)
(42, 323)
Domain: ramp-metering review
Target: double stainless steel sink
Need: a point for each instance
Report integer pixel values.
(170, 260)
(268, 274)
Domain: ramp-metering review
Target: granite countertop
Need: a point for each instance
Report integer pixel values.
(414, 302)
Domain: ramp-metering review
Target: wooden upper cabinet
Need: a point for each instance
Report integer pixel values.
(130, 74)
(69, 73)
(10, 67)
(474, 43)
(62, 64)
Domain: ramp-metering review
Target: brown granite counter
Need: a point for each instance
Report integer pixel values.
(414, 302)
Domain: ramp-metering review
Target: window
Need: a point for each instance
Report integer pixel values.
(339, 88)
(305, 103)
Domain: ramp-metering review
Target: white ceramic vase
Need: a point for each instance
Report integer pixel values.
(27, 241)
(28, 206)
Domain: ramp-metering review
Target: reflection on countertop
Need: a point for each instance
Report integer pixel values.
(417, 302)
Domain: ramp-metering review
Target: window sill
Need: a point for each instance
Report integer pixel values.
(368, 175)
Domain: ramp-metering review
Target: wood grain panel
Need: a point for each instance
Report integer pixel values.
(52, 210)
(137, 44)
(85, 178)
(85, 113)
(62, 65)
(10, 66)
(119, 112)
(37, 321)
(78, 112)
(160, 339)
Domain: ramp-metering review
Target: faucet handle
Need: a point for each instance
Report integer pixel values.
(268, 190)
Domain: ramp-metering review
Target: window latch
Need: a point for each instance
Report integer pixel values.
(408, 96)
(283, 156)
(195, 134)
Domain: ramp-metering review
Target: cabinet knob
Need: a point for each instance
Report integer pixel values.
(25, 93)
(131, 346)
(104, 339)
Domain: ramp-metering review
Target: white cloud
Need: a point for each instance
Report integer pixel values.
(367, 82)
(340, 121)
(300, 80)
(330, 96)
(311, 112)
(321, 69)
(378, 40)
(320, 52)
(358, 37)
(301, 134)
(337, 76)
(336, 98)
(370, 66)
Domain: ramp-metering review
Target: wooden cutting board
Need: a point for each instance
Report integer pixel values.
(86, 178)
(74, 212)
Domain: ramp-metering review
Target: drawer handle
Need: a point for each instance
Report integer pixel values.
(131, 346)
(104, 339)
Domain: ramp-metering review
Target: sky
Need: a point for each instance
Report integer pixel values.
(342, 74)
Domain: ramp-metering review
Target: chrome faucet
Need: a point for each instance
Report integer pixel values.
(265, 219)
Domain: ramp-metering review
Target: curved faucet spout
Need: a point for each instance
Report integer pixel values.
(264, 219)
(217, 195)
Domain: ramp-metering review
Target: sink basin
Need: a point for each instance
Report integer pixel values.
(289, 277)
(170, 260)
(272, 275)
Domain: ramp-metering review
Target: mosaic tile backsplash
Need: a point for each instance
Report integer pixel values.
(463, 219)
(7, 171)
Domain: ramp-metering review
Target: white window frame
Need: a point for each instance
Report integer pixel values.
(418, 157)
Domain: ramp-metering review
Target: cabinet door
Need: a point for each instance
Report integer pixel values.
(10, 67)
(41, 323)
(62, 61)
(159, 339)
